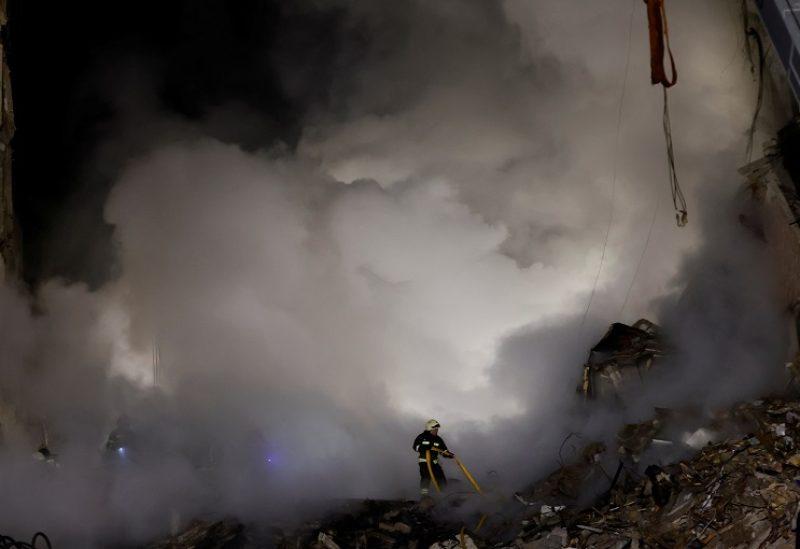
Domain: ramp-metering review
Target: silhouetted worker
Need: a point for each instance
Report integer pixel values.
(430, 441)
(121, 440)
(44, 454)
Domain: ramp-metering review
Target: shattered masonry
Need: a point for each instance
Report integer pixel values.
(623, 352)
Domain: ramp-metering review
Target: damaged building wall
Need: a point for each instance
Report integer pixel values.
(10, 246)
(773, 216)
(767, 46)
(772, 43)
(780, 19)
(619, 359)
(778, 203)
(10, 241)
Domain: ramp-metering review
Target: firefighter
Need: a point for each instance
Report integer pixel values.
(121, 441)
(429, 440)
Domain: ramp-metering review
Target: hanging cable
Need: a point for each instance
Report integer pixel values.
(678, 200)
(156, 363)
(752, 33)
(7, 542)
(659, 45)
(659, 34)
(614, 169)
(641, 256)
(745, 15)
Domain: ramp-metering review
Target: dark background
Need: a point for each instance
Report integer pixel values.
(66, 59)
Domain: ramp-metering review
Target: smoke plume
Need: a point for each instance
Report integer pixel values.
(287, 307)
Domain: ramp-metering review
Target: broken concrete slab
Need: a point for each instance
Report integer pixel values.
(619, 358)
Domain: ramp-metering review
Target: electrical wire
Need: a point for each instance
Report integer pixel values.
(614, 169)
(7, 542)
(678, 200)
(752, 33)
(745, 15)
(641, 256)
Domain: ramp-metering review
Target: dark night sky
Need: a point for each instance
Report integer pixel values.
(65, 59)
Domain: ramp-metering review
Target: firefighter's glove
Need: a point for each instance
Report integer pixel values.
(448, 454)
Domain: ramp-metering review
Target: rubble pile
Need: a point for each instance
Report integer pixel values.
(741, 492)
(383, 524)
(568, 482)
(220, 534)
(619, 359)
(365, 524)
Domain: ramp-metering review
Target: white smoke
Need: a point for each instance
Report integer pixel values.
(428, 249)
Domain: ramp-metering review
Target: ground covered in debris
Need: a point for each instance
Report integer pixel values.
(737, 492)
(370, 523)
(683, 478)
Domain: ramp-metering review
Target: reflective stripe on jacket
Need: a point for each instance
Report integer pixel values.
(427, 441)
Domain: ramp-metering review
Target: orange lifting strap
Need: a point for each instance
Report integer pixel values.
(659, 40)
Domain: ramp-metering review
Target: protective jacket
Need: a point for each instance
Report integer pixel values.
(428, 441)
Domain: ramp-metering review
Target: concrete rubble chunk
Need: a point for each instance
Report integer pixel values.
(617, 361)
(396, 527)
(457, 543)
(385, 524)
(223, 534)
(326, 541)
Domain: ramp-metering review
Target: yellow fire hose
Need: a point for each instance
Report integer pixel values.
(460, 466)
(466, 474)
(469, 477)
(430, 470)
(480, 524)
